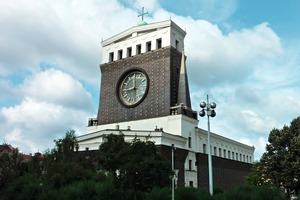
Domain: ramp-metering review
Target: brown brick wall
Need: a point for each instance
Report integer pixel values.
(162, 67)
(226, 173)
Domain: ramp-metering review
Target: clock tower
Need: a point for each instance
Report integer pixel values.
(143, 74)
(144, 94)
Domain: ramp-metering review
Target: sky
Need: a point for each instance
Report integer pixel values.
(243, 54)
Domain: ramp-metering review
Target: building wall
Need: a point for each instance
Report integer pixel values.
(227, 174)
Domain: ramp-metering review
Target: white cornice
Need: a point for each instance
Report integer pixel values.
(139, 29)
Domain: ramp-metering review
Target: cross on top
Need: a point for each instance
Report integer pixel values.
(142, 14)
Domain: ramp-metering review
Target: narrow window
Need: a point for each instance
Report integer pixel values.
(120, 54)
(176, 44)
(224, 153)
(158, 43)
(229, 154)
(237, 156)
(220, 152)
(111, 56)
(232, 155)
(215, 151)
(129, 52)
(247, 159)
(190, 165)
(240, 157)
(250, 159)
(204, 148)
(138, 49)
(190, 142)
(148, 46)
(244, 158)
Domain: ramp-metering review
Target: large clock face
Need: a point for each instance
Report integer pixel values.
(132, 88)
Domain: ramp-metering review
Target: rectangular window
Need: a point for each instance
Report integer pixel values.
(232, 155)
(247, 159)
(229, 154)
(148, 46)
(176, 44)
(240, 157)
(111, 56)
(215, 151)
(237, 156)
(224, 153)
(250, 159)
(120, 54)
(138, 49)
(190, 165)
(204, 148)
(158, 43)
(244, 158)
(190, 142)
(191, 184)
(220, 152)
(129, 52)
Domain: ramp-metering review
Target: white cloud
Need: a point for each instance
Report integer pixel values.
(54, 86)
(53, 102)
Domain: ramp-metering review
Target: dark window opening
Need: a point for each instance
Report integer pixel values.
(120, 54)
(190, 165)
(148, 46)
(138, 49)
(176, 44)
(190, 142)
(111, 56)
(129, 52)
(158, 43)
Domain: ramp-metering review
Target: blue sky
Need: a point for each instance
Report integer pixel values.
(244, 54)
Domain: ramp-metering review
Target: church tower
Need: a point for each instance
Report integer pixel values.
(143, 74)
(145, 94)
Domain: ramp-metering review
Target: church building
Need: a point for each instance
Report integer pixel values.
(145, 94)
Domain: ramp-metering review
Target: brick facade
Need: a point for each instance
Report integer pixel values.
(162, 67)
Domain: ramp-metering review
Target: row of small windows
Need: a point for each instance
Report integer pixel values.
(138, 50)
(229, 154)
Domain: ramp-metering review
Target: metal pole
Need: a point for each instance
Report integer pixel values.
(173, 184)
(210, 175)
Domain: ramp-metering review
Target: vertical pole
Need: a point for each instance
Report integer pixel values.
(173, 184)
(210, 175)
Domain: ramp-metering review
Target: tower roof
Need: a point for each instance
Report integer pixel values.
(183, 86)
(138, 30)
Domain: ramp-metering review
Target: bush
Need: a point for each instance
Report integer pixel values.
(159, 194)
(189, 193)
(252, 193)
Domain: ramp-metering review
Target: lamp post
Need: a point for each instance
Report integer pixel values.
(209, 110)
(173, 176)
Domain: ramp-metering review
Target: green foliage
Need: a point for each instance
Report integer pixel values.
(136, 165)
(159, 194)
(192, 194)
(10, 167)
(23, 188)
(252, 193)
(279, 165)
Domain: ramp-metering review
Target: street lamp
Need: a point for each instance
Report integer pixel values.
(173, 176)
(209, 110)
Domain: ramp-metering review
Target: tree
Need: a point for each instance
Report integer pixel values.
(279, 165)
(136, 165)
(64, 150)
(10, 166)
